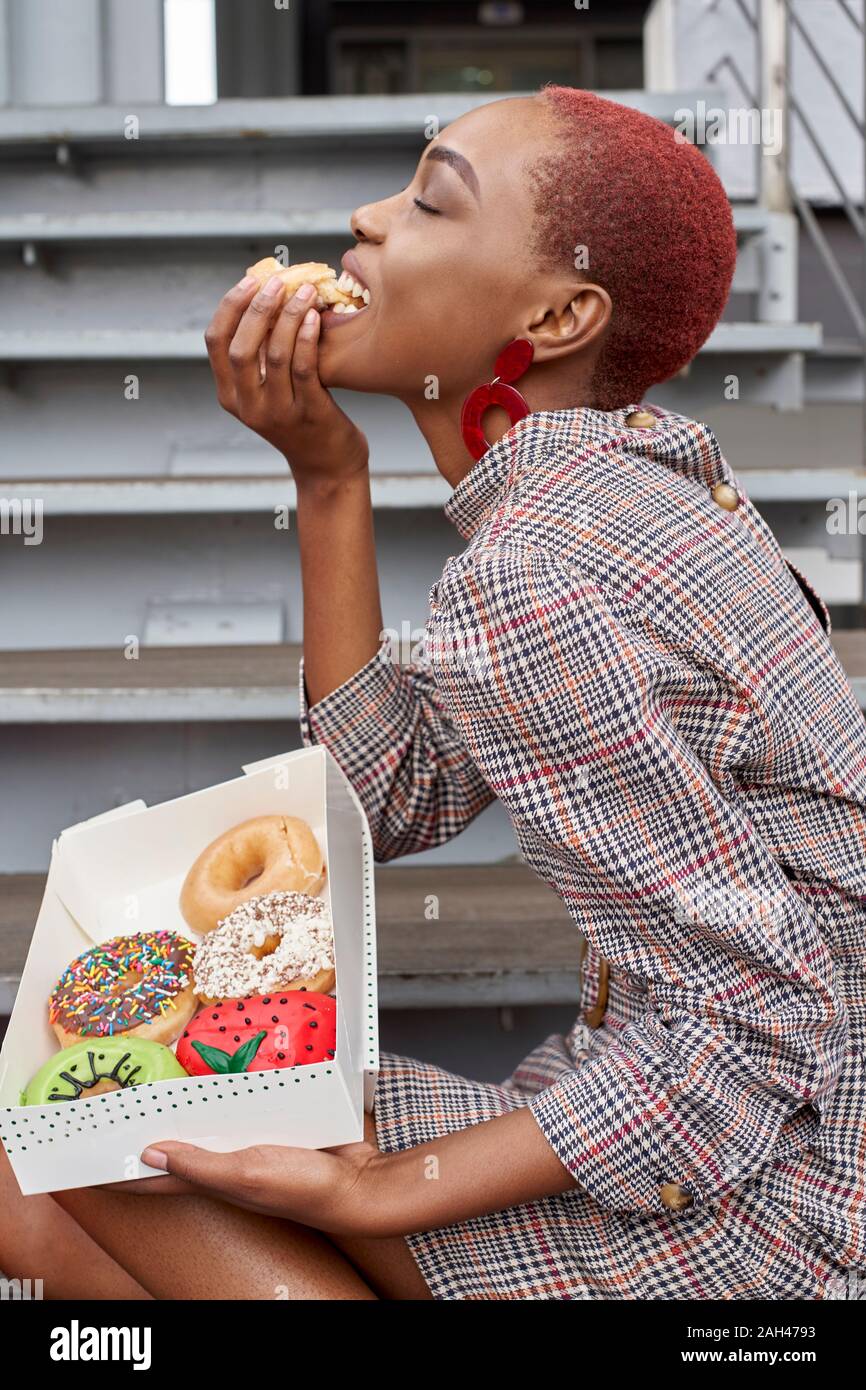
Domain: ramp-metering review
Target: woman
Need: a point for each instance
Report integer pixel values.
(620, 655)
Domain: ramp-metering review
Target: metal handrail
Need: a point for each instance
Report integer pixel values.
(830, 260)
(853, 215)
(747, 13)
(823, 65)
(853, 17)
(804, 209)
(729, 62)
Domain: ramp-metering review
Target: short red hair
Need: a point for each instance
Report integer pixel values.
(658, 229)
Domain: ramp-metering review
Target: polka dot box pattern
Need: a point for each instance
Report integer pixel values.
(121, 873)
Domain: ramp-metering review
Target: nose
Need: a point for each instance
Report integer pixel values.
(370, 222)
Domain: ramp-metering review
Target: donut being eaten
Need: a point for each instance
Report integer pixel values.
(344, 295)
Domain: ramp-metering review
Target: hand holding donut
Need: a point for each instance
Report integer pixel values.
(287, 406)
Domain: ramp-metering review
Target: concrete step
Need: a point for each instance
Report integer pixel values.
(197, 495)
(197, 684)
(246, 125)
(254, 492)
(131, 345)
(224, 224)
(175, 684)
(502, 937)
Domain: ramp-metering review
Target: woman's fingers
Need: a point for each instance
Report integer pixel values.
(281, 345)
(219, 334)
(307, 389)
(235, 1176)
(250, 335)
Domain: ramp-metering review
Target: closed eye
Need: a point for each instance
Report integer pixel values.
(425, 207)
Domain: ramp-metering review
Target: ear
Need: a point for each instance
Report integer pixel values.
(556, 332)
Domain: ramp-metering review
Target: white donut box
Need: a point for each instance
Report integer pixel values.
(121, 873)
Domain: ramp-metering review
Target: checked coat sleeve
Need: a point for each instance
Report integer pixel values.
(414, 777)
(571, 704)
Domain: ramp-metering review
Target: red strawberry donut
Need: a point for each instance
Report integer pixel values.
(260, 1033)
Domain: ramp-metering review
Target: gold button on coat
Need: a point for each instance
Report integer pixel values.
(641, 420)
(726, 496)
(595, 1015)
(675, 1197)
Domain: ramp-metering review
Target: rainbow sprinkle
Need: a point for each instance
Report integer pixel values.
(95, 996)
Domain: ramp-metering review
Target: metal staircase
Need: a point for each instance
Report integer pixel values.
(113, 252)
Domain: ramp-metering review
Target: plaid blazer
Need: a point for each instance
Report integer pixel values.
(630, 665)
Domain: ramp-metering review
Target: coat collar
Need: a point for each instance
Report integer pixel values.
(686, 446)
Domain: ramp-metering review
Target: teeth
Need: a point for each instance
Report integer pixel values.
(351, 286)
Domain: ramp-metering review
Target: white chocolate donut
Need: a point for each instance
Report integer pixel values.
(265, 855)
(281, 941)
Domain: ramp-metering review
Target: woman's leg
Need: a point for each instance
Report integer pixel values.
(202, 1248)
(387, 1265)
(38, 1240)
(93, 1244)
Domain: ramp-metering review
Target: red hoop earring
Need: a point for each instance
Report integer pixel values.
(509, 366)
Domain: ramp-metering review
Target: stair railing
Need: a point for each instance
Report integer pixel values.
(772, 25)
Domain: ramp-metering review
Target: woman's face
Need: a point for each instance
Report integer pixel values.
(447, 263)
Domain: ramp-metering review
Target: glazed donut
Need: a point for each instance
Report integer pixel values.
(132, 986)
(329, 290)
(283, 941)
(260, 1034)
(93, 1068)
(259, 856)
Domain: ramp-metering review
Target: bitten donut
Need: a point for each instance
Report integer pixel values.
(264, 855)
(344, 294)
(135, 986)
(282, 941)
(92, 1068)
(259, 1034)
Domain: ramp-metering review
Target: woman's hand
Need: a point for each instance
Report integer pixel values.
(355, 1190)
(328, 1189)
(264, 357)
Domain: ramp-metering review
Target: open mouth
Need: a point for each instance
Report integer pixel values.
(354, 295)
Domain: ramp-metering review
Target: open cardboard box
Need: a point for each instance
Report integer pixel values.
(121, 873)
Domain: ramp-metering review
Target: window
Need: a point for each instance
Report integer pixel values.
(463, 59)
(190, 52)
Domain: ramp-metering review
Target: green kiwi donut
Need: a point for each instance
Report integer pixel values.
(97, 1065)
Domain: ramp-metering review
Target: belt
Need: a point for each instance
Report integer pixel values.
(595, 1015)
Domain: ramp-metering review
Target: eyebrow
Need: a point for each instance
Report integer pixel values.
(459, 164)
